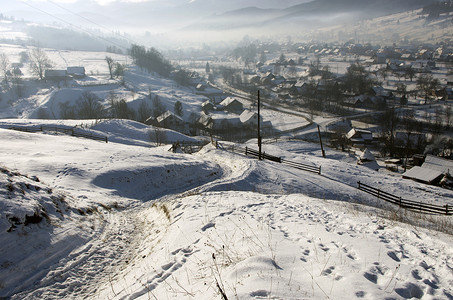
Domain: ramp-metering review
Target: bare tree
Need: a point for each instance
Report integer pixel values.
(67, 111)
(427, 84)
(143, 112)
(89, 107)
(410, 73)
(4, 66)
(110, 64)
(120, 110)
(17, 84)
(157, 136)
(178, 108)
(119, 70)
(448, 115)
(39, 62)
(388, 123)
(158, 107)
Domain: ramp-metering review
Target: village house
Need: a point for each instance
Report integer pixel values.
(201, 87)
(214, 94)
(56, 75)
(76, 72)
(207, 106)
(220, 122)
(359, 137)
(170, 120)
(432, 171)
(232, 105)
(249, 119)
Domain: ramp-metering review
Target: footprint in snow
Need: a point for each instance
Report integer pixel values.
(410, 291)
(393, 255)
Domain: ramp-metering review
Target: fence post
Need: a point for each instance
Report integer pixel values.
(246, 150)
(400, 202)
(319, 172)
(378, 194)
(446, 209)
(106, 140)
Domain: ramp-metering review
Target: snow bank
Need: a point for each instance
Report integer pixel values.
(134, 133)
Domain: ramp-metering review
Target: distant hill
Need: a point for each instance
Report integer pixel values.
(302, 18)
(316, 11)
(219, 20)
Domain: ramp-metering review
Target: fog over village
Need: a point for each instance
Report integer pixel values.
(206, 149)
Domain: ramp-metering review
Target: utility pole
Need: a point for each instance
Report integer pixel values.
(259, 130)
(320, 141)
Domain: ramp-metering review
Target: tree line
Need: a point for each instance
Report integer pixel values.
(150, 60)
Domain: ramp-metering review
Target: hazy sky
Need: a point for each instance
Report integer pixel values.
(16, 4)
(137, 16)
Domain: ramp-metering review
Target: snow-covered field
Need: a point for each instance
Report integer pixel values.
(123, 220)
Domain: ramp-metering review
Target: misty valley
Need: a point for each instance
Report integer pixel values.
(226, 149)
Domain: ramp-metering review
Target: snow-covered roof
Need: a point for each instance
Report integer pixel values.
(247, 115)
(367, 156)
(207, 103)
(56, 73)
(169, 114)
(439, 164)
(76, 70)
(229, 100)
(422, 174)
(360, 134)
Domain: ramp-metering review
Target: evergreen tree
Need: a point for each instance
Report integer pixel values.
(178, 108)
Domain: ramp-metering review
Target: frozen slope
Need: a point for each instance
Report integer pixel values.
(145, 223)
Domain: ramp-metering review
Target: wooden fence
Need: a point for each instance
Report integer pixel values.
(254, 153)
(188, 147)
(408, 204)
(69, 131)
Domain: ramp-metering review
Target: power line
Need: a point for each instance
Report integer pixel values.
(78, 27)
(89, 20)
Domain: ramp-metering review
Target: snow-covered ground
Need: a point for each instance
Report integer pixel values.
(123, 220)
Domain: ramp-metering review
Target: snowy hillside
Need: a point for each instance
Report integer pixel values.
(409, 26)
(88, 219)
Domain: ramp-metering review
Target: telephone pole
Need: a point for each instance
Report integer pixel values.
(259, 129)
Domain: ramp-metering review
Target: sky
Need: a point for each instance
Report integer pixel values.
(132, 16)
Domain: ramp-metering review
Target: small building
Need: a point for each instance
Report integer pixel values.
(200, 87)
(56, 75)
(249, 119)
(423, 175)
(170, 120)
(76, 72)
(359, 137)
(214, 94)
(232, 105)
(431, 171)
(438, 163)
(367, 159)
(207, 106)
(225, 122)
